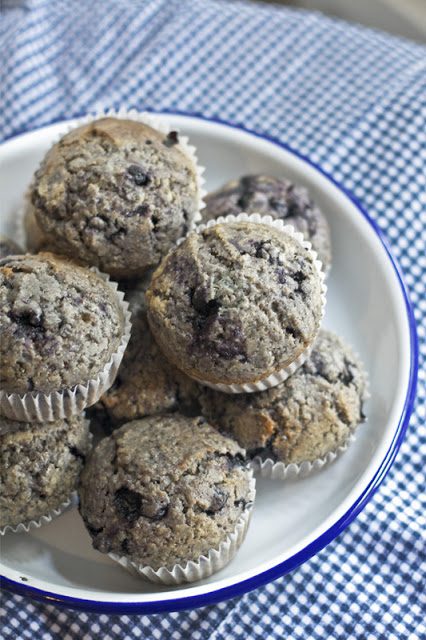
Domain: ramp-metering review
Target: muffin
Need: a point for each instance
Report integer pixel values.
(278, 198)
(39, 466)
(60, 323)
(236, 303)
(34, 237)
(8, 247)
(164, 490)
(303, 419)
(146, 383)
(115, 194)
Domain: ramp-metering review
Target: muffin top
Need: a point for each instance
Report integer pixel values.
(115, 194)
(164, 490)
(278, 198)
(235, 303)
(146, 383)
(8, 247)
(59, 323)
(305, 417)
(39, 466)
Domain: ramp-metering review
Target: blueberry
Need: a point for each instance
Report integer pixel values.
(138, 175)
(171, 139)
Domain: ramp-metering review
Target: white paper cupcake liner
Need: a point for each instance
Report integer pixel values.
(46, 407)
(25, 527)
(280, 471)
(278, 377)
(206, 565)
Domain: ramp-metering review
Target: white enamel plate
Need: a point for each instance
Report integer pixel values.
(367, 305)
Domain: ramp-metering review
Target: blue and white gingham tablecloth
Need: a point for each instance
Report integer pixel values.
(353, 101)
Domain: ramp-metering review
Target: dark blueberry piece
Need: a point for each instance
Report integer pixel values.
(94, 531)
(265, 452)
(125, 547)
(29, 325)
(300, 206)
(141, 210)
(30, 384)
(201, 304)
(30, 318)
(259, 248)
(77, 454)
(278, 205)
(342, 415)
(293, 332)
(128, 504)
(346, 376)
(185, 225)
(299, 277)
(247, 189)
(218, 501)
(171, 139)
(235, 462)
(281, 275)
(138, 175)
(241, 503)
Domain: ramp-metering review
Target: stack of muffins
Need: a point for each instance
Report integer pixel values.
(227, 370)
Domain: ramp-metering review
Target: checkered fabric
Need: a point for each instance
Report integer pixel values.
(353, 101)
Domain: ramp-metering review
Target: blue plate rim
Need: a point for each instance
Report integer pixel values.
(233, 591)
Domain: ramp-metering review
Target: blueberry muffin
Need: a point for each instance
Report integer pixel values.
(146, 384)
(164, 490)
(310, 414)
(235, 303)
(34, 238)
(60, 324)
(8, 247)
(278, 198)
(39, 466)
(115, 194)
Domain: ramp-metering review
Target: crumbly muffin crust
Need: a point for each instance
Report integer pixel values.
(235, 303)
(40, 464)
(310, 414)
(279, 198)
(146, 383)
(163, 490)
(59, 323)
(115, 194)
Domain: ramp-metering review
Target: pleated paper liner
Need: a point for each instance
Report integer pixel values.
(281, 375)
(25, 527)
(46, 407)
(205, 565)
(280, 471)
